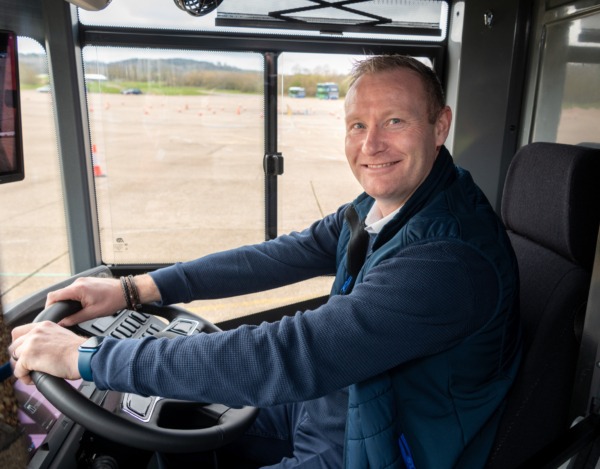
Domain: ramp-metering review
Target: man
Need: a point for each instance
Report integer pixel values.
(409, 361)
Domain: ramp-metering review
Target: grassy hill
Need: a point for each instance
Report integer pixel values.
(171, 76)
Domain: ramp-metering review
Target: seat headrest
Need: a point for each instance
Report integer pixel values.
(552, 197)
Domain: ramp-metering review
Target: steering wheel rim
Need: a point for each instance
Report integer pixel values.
(230, 424)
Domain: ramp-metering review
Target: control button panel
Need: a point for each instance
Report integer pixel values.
(124, 324)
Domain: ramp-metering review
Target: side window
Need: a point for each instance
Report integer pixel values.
(33, 239)
(567, 105)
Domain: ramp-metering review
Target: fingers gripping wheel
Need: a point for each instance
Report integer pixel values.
(172, 426)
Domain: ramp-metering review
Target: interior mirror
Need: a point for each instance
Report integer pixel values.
(90, 5)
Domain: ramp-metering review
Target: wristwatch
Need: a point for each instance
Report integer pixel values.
(86, 352)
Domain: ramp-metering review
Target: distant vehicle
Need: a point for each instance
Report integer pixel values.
(328, 91)
(132, 91)
(43, 89)
(296, 92)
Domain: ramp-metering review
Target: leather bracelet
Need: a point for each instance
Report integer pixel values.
(126, 293)
(135, 297)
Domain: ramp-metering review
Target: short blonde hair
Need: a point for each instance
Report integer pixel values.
(386, 63)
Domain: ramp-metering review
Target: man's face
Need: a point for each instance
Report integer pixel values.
(390, 144)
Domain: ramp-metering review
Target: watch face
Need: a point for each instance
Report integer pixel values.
(92, 343)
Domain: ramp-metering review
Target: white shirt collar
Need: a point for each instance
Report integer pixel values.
(375, 221)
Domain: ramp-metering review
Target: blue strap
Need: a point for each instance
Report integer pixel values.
(5, 371)
(406, 454)
(346, 285)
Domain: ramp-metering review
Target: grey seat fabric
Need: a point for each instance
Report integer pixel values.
(551, 209)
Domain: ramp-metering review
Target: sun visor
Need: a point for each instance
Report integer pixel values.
(90, 5)
(407, 17)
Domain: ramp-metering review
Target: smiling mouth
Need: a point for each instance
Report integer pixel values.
(382, 165)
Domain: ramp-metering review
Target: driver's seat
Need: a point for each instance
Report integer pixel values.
(551, 209)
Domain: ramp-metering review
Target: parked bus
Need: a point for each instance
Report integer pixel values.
(296, 92)
(109, 184)
(328, 91)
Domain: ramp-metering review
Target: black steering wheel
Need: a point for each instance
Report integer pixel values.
(195, 427)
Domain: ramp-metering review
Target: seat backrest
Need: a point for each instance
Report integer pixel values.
(551, 209)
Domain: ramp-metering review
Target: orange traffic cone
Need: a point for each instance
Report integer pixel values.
(96, 162)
